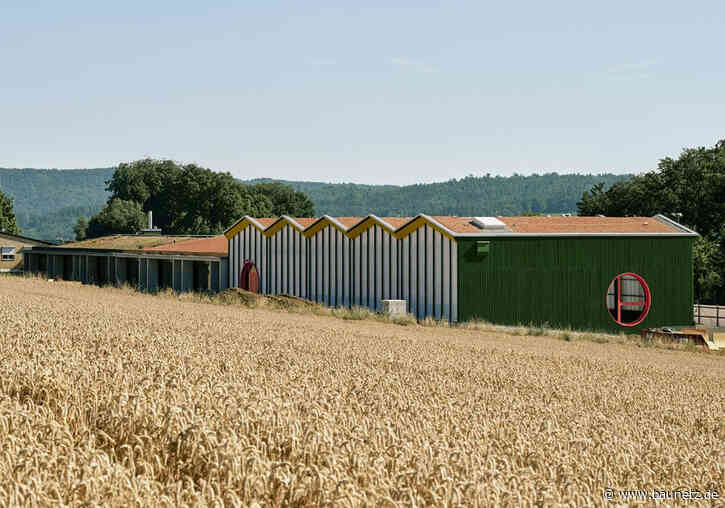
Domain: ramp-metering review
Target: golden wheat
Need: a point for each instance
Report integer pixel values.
(116, 398)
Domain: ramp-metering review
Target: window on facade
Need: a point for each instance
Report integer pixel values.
(8, 253)
(628, 299)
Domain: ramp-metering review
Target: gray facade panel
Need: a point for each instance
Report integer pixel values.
(378, 267)
(386, 265)
(312, 292)
(319, 260)
(446, 280)
(356, 271)
(429, 270)
(413, 274)
(454, 282)
(333, 269)
(364, 269)
(405, 272)
(326, 266)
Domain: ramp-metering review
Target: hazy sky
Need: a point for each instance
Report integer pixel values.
(321, 91)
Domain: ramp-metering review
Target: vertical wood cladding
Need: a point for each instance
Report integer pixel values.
(335, 270)
(563, 281)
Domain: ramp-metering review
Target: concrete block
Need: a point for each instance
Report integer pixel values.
(393, 307)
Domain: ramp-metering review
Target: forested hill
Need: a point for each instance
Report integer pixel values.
(48, 202)
(470, 196)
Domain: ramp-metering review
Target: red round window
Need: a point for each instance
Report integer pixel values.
(628, 299)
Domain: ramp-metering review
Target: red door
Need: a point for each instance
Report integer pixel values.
(253, 280)
(249, 277)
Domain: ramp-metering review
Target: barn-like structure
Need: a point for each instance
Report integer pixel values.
(580, 272)
(150, 262)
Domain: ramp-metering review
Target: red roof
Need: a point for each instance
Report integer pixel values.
(555, 224)
(214, 246)
(558, 224)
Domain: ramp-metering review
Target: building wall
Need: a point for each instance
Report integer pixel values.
(17, 263)
(563, 281)
(338, 271)
(145, 273)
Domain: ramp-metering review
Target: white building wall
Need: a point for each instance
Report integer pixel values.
(335, 270)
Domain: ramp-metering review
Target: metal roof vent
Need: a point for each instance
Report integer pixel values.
(151, 230)
(488, 223)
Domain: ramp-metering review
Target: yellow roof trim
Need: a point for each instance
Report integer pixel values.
(351, 233)
(279, 225)
(366, 224)
(321, 224)
(240, 226)
(419, 222)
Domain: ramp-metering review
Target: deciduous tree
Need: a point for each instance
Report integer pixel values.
(8, 223)
(690, 189)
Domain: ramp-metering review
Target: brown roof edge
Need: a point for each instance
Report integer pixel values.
(552, 225)
(21, 238)
(215, 245)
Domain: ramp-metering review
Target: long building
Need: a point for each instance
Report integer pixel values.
(582, 272)
(148, 262)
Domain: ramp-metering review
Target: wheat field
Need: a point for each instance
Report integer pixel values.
(109, 397)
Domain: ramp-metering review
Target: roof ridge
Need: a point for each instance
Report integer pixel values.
(458, 226)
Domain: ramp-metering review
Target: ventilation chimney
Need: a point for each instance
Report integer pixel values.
(151, 230)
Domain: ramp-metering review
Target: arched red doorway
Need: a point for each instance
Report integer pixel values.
(249, 277)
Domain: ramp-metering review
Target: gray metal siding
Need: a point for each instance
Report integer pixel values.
(454, 282)
(378, 267)
(332, 269)
(405, 272)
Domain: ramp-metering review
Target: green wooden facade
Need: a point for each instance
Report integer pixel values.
(562, 281)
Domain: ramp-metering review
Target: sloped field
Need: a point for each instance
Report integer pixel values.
(107, 396)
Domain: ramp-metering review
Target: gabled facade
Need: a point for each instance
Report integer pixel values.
(562, 271)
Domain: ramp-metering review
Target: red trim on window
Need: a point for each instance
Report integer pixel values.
(647, 303)
(619, 299)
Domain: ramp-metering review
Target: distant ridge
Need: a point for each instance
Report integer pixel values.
(469, 196)
(48, 202)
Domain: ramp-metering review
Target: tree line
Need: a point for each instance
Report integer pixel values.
(188, 199)
(468, 196)
(689, 189)
(48, 203)
(185, 199)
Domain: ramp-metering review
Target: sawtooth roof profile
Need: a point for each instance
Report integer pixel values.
(455, 227)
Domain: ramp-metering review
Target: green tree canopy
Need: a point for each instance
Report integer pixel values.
(189, 199)
(285, 200)
(8, 223)
(119, 216)
(81, 228)
(689, 189)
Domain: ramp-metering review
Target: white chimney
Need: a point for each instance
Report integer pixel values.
(150, 230)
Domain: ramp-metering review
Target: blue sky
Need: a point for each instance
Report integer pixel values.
(385, 93)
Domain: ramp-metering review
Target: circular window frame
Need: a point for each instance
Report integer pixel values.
(647, 300)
